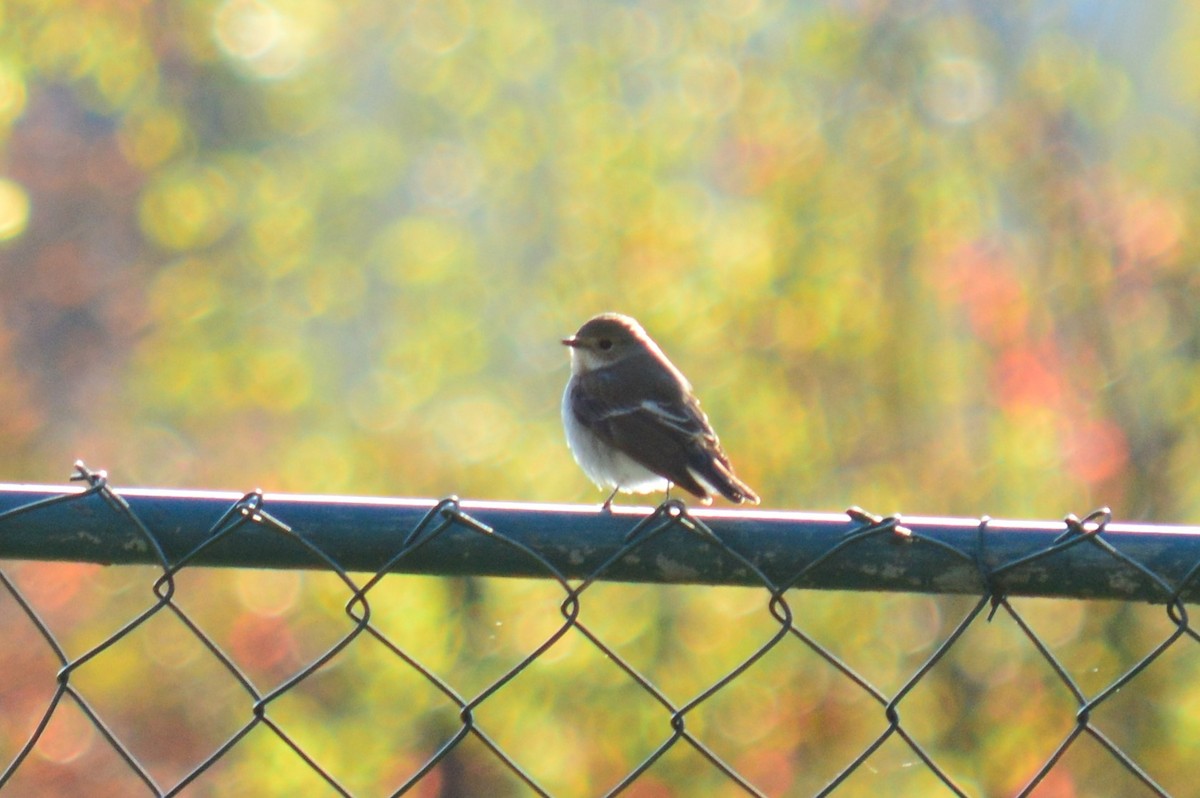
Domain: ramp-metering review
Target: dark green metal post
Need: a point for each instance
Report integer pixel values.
(942, 555)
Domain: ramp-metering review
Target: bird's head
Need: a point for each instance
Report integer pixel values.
(605, 340)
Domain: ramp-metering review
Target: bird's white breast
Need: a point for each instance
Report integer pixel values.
(603, 464)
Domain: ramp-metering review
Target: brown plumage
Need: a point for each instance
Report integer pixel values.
(632, 420)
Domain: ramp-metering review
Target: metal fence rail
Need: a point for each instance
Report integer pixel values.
(783, 555)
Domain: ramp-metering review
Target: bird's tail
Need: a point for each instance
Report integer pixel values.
(716, 474)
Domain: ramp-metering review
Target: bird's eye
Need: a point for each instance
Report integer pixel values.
(604, 343)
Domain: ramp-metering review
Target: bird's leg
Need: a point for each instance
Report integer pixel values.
(607, 506)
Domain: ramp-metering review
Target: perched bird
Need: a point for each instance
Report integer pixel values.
(632, 421)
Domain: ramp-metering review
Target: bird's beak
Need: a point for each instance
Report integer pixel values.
(572, 342)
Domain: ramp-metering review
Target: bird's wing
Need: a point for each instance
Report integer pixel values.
(668, 435)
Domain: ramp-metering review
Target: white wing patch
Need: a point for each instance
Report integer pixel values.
(674, 416)
(669, 415)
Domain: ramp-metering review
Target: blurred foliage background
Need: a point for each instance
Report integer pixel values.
(915, 255)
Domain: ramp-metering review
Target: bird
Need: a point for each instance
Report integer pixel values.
(633, 423)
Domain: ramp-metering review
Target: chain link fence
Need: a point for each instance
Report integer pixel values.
(152, 677)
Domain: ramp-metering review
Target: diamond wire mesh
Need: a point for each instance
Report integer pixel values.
(431, 771)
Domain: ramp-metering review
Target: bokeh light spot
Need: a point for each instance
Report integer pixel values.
(14, 209)
(12, 94)
(50, 586)
(120, 78)
(268, 42)
(980, 278)
(334, 289)
(422, 249)
(958, 90)
(248, 28)
(184, 291)
(1096, 450)
(282, 238)
(149, 137)
(741, 249)
(1150, 228)
(187, 208)
(68, 737)
(710, 85)
(261, 642)
(1026, 378)
(439, 26)
(279, 378)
